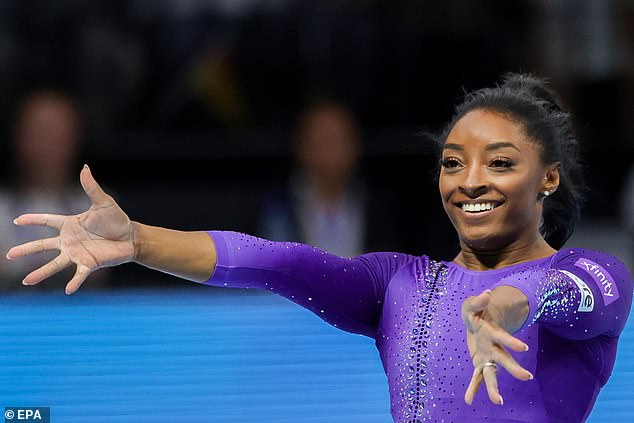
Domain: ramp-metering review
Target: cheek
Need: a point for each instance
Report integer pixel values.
(444, 187)
(524, 202)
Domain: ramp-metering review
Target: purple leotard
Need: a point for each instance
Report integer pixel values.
(579, 303)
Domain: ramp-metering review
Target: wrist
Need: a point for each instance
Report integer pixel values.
(136, 235)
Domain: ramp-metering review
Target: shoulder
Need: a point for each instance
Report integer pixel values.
(588, 260)
(603, 269)
(394, 259)
(386, 265)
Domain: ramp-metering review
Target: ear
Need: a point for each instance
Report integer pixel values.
(551, 178)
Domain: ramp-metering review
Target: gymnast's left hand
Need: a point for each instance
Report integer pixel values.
(102, 236)
(488, 337)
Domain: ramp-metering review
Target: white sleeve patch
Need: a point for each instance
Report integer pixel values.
(587, 298)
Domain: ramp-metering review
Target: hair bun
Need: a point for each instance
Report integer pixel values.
(538, 88)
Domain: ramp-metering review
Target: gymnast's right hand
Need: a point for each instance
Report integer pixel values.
(102, 236)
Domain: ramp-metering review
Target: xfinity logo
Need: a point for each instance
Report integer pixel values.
(602, 278)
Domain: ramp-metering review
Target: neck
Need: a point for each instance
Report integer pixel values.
(474, 259)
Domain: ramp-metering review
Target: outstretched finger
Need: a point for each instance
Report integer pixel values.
(474, 385)
(33, 247)
(43, 219)
(502, 337)
(489, 373)
(508, 362)
(80, 276)
(49, 269)
(97, 195)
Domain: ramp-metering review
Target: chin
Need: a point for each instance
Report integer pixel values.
(483, 242)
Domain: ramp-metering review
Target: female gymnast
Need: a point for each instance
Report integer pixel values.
(514, 309)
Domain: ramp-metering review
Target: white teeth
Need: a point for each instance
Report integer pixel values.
(477, 207)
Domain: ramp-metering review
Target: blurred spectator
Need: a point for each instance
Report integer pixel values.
(46, 144)
(326, 204)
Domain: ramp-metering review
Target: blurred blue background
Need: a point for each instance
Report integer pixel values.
(206, 355)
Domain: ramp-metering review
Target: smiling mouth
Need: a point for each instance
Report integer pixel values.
(478, 207)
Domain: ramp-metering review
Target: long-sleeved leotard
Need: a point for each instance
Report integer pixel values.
(579, 302)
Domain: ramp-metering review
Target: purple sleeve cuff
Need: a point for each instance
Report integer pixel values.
(526, 283)
(578, 294)
(224, 258)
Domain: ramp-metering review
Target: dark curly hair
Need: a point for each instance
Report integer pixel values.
(529, 101)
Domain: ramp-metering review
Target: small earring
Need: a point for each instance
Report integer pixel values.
(546, 193)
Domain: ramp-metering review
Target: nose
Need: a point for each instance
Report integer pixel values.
(474, 183)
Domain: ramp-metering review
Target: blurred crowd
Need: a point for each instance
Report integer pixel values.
(292, 120)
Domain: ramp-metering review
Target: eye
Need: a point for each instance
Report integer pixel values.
(501, 162)
(450, 163)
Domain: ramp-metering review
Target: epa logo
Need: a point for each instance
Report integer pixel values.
(27, 414)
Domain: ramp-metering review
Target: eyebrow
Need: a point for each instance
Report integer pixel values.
(498, 145)
(450, 146)
(489, 147)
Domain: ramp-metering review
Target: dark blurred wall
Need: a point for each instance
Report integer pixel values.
(189, 104)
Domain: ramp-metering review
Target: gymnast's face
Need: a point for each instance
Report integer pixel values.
(491, 182)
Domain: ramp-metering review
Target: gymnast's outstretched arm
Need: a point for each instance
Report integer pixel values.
(104, 236)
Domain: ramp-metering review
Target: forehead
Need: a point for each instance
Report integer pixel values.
(479, 128)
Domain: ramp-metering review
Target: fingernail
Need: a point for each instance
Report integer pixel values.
(525, 347)
(15, 221)
(530, 376)
(501, 400)
(24, 282)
